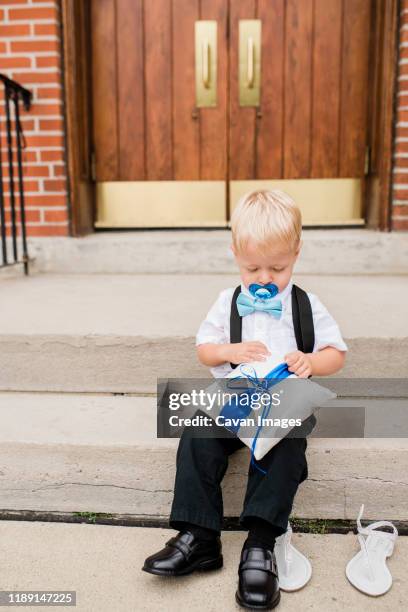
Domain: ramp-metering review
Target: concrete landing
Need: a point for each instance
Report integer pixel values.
(102, 564)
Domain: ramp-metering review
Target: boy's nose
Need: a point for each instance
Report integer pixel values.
(265, 279)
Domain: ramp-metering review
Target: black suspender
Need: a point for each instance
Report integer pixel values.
(235, 319)
(302, 320)
(235, 322)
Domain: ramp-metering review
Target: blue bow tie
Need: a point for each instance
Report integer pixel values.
(263, 301)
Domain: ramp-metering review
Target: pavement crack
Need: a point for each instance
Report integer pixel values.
(394, 482)
(365, 478)
(87, 484)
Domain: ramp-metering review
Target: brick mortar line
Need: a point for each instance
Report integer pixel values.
(54, 71)
(30, 5)
(24, 22)
(41, 70)
(53, 149)
(43, 193)
(45, 223)
(34, 53)
(14, 6)
(43, 165)
(43, 132)
(37, 38)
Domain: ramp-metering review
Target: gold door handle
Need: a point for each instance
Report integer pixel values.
(250, 62)
(206, 62)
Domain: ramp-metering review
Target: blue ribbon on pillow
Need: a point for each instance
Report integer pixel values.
(235, 410)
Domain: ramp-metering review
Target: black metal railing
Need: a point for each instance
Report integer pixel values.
(14, 93)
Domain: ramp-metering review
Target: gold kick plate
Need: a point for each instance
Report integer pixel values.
(206, 63)
(149, 204)
(250, 62)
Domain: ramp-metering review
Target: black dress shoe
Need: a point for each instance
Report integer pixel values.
(185, 554)
(258, 587)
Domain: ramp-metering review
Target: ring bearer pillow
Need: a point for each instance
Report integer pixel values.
(267, 402)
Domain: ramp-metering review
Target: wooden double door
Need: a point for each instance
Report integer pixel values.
(163, 160)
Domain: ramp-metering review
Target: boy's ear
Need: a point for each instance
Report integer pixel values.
(233, 249)
(299, 247)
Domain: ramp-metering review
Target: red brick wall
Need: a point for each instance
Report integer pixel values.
(400, 176)
(30, 53)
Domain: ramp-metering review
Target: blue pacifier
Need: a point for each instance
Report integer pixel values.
(263, 292)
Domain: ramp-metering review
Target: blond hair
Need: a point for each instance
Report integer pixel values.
(266, 217)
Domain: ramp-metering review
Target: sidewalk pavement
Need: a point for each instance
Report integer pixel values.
(102, 564)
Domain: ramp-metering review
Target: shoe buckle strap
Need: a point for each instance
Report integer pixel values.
(181, 546)
(266, 565)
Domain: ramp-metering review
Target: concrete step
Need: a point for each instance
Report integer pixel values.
(99, 453)
(63, 557)
(120, 333)
(325, 251)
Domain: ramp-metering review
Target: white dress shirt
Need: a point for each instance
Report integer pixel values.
(277, 334)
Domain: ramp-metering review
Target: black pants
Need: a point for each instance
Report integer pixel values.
(201, 465)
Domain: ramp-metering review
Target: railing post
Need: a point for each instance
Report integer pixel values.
(21, 183)
(2, 214)
(14, 91)
(11, 175)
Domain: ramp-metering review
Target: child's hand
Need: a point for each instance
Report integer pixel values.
(299, 363)
(243, 352)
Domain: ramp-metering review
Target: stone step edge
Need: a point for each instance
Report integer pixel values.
(186, 252)
(153, 393)
(123, 479)
(79, 340)
(85, 363)
(315, 526)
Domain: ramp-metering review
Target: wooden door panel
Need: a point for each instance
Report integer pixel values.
(354, 87)
(106, 129)
(312, 118)
(298, 79)
(213, 121)
(158, 99)
(326, 92)
(186, 136)
(130, 90)
(146, 126)
(241, 119)
(269, 132)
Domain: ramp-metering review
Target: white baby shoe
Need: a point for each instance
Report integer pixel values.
(294, 569)
(367, 570)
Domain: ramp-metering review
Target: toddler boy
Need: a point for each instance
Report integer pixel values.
(266, 241)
